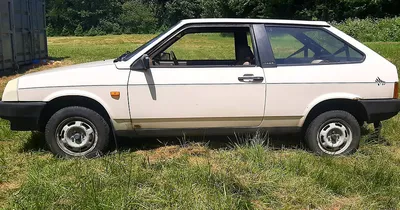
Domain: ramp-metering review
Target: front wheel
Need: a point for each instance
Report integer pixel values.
(77, 132)
(333, 133)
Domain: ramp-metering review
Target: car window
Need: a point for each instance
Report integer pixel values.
(285, 45)
(299, 45)
(210, 47)
(133, 53)
(204, 46)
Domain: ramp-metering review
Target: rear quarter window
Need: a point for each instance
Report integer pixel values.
(303, 45)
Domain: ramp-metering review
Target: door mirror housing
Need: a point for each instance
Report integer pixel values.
(142, 64)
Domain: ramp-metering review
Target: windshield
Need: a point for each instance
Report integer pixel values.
(129, 55)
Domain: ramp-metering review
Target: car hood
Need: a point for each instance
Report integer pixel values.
(86, 74)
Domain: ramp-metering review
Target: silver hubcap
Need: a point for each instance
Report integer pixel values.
(76, 136)
(334, 138)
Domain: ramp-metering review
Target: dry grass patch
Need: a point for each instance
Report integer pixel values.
(5, 186)
(354, 202)
(172, 152)
(101, 40)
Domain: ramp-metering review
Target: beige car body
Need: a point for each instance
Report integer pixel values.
(180, 98)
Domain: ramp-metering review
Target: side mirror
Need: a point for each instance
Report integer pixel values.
(142, 63)
(146, 62)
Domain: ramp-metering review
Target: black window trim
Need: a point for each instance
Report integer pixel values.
(319, 28)
(157, 47)
(263, 45)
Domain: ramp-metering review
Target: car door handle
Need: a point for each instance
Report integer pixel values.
(250, 78)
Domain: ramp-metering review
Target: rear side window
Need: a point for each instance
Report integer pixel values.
(302, 46)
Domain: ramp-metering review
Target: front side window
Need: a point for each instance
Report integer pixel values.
(298, 45)
(207, 47)
(204, 46)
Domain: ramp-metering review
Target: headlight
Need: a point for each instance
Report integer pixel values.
(11, 91)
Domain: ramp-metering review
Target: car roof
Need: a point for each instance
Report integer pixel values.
(262, 21)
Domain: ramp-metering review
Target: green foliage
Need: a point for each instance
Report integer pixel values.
(177, 10)
(140, 16)
(372, 30)
(109, 27)
(50, 30)
(65, 31)
(95, 31)
(69, 14)
(79, 30)
(137, 17)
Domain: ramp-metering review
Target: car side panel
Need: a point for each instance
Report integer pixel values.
(292, 91)
(93, 80)
(117, 108)
(196, 97)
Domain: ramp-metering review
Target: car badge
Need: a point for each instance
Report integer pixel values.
(380, 82)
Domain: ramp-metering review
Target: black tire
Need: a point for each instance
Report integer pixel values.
(78, 121)
(329, 122)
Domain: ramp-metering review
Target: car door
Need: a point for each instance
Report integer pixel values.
(312, 65)
(199, 84)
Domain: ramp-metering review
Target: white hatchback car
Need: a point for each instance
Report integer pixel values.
(231, 75)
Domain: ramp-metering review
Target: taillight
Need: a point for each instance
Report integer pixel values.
(396, 90)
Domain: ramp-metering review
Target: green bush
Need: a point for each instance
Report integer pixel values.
(92, 32)
(372, 30)
(109, 27)
(79, 30)
(95, 31)
(137, 17)
(65, 31)
(50, 30)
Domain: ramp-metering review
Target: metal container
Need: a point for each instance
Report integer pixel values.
(22, 33)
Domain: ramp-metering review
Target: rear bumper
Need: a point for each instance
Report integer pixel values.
(24, 116)
(380, 109)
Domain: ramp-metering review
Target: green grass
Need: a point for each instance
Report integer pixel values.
(196, 173)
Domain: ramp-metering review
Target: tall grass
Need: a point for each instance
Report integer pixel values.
(372, 30)
(248, 176)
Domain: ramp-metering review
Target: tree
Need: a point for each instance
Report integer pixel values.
(65, 31)
(92, 32)
(137, 17)
(50, 30)
(87, 13)
(177, 10)
(148, 16)
(79, 30)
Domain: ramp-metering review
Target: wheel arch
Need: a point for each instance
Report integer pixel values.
(348, 103)
(56, 103)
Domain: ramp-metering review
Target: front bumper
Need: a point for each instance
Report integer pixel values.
(24, 116)
(380, 109)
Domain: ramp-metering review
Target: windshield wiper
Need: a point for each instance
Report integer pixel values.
(122, 56)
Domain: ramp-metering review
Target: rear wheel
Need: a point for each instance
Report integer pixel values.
(333, 133)
(77, 132)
